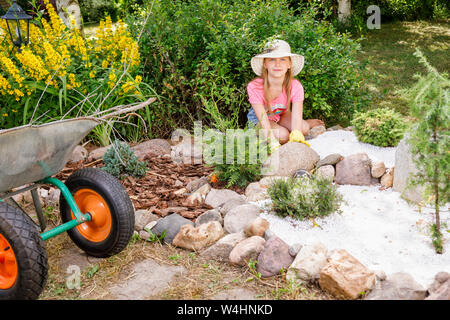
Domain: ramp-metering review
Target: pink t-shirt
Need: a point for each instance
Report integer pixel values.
(255, 90)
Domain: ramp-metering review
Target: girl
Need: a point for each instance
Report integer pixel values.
(271, 94)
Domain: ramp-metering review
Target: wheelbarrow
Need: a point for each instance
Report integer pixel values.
(95, 208)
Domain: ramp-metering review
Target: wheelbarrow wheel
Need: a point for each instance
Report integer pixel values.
(23, 258)
(102, 196)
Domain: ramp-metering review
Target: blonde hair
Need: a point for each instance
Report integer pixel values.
(287, 82)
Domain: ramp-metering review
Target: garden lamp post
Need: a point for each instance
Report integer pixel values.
(13, 17)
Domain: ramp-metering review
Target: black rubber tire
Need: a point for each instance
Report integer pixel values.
(120, 206)
(28, 247)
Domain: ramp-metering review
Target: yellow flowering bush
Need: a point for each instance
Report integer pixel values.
(60, 70)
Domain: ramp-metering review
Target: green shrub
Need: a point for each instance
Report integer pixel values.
(120, 160)
(198, 51)
(242, 164)
(382, 127)
(305, 197)
(95, 10)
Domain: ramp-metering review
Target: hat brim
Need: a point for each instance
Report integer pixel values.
(298, 62)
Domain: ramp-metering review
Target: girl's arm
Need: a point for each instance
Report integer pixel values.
(297, 117)
(261, 114)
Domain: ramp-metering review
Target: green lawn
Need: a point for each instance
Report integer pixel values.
(392, 63)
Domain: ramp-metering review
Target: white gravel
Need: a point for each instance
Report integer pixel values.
(378, 228)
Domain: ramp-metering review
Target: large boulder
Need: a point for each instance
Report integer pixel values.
(289, 158)
(171, 224)
(225, 207)
(397, 286)
(247, 250)
(404, 169)
(354, 169)
(308, 263)
(239, 217)
(197, 238)
(344, 276)
(274, 257)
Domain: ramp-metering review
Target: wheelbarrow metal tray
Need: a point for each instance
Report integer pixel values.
(31, 153)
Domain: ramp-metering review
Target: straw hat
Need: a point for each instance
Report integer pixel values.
(277, 49)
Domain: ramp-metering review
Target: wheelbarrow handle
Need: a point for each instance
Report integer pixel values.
(120, 110)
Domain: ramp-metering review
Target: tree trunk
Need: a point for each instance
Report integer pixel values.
(344, 10)
(66, 8)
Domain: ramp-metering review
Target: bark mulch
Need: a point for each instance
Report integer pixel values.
(156, 190)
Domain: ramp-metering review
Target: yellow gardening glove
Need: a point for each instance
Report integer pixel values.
(274, 144)
(297, 136)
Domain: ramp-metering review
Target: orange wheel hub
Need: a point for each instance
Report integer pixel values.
(89, 201)
(8, 264)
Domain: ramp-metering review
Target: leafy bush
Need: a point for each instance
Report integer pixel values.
(197, 51)
(304, 197)
(96, 10)
(241, 163)
(382, 127)
(120, 160)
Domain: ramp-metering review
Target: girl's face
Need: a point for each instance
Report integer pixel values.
(277, 67)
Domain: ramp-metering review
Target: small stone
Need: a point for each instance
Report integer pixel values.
(326, 172)
(197, 183)
(157, 147)
(227, 206)
(295, 249)
(98, 153)
(247, 249)
(397, 286)
(268, 234)
(144, 235)
(178, 183)
(274, 257)
(79, 154)
(180, 192)
(378, 169)
(330, 159)
(254, 192)
(142, 218)
(171, 225)
(334, 128)
(197, 238)
(208, 216)
(257, 227)
(354, 170)
(217, 197)
(314, 132)
(387, 180)
(150, 225)
(221, 250)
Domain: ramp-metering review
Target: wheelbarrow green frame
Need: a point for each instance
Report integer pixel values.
(80, 217)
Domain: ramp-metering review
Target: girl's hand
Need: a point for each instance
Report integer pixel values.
(297, 136)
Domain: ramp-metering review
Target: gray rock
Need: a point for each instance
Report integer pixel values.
(208, 216)
(98, 153)
(143, 218)
(404, 168)
(314, 132)
(188, 153)
(227, 206)
(289, 158)
(217, 197)
(334, 128)
(197, 183)
(239, 217)
(157, 147)
(326, 172)
(221, 250)
(354, 170)
(79, 154)
(308, 263)
(246, 249)
(295, 249)
(378, 169)
(172, 224)
(397, 286)
(330, 159)
(274, 257)
(254, 192)
(442, 292)
(268, 234)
